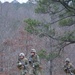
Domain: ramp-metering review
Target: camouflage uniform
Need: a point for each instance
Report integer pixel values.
(68, 68)
(23, 65)
(34, 63)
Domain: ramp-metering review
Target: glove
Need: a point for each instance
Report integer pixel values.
(19, 65)
(30, 62)
(33, 65)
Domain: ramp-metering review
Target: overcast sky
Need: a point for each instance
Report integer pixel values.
(21, 1)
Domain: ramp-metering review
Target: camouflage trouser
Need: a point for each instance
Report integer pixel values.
(23, 72)
(34, 71)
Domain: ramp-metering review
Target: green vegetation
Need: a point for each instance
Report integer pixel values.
(48, 56)
(63, 9)
(66, 22)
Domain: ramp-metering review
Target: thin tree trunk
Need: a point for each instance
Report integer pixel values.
(51, 66)
(26, 44)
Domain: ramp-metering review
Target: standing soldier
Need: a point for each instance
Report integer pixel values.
(22, 64)
(68, 67)
(34, 63)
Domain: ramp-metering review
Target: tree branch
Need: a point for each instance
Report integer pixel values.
(60, 49)
(61, 19)
(66, 6)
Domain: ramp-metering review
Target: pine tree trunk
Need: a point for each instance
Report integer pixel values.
(51, 67)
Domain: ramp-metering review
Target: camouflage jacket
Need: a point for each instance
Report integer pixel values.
(34, 61)
(68, 68)
(22, 63)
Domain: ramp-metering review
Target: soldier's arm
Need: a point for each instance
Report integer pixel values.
(65, 67)
(38, 59)
(37, 62)
(26, 61)
(71, 66)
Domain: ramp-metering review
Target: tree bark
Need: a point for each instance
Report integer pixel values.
(51, 66)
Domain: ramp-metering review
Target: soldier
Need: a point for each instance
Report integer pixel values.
(34, 63)
(22, 64)
(68, 67)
